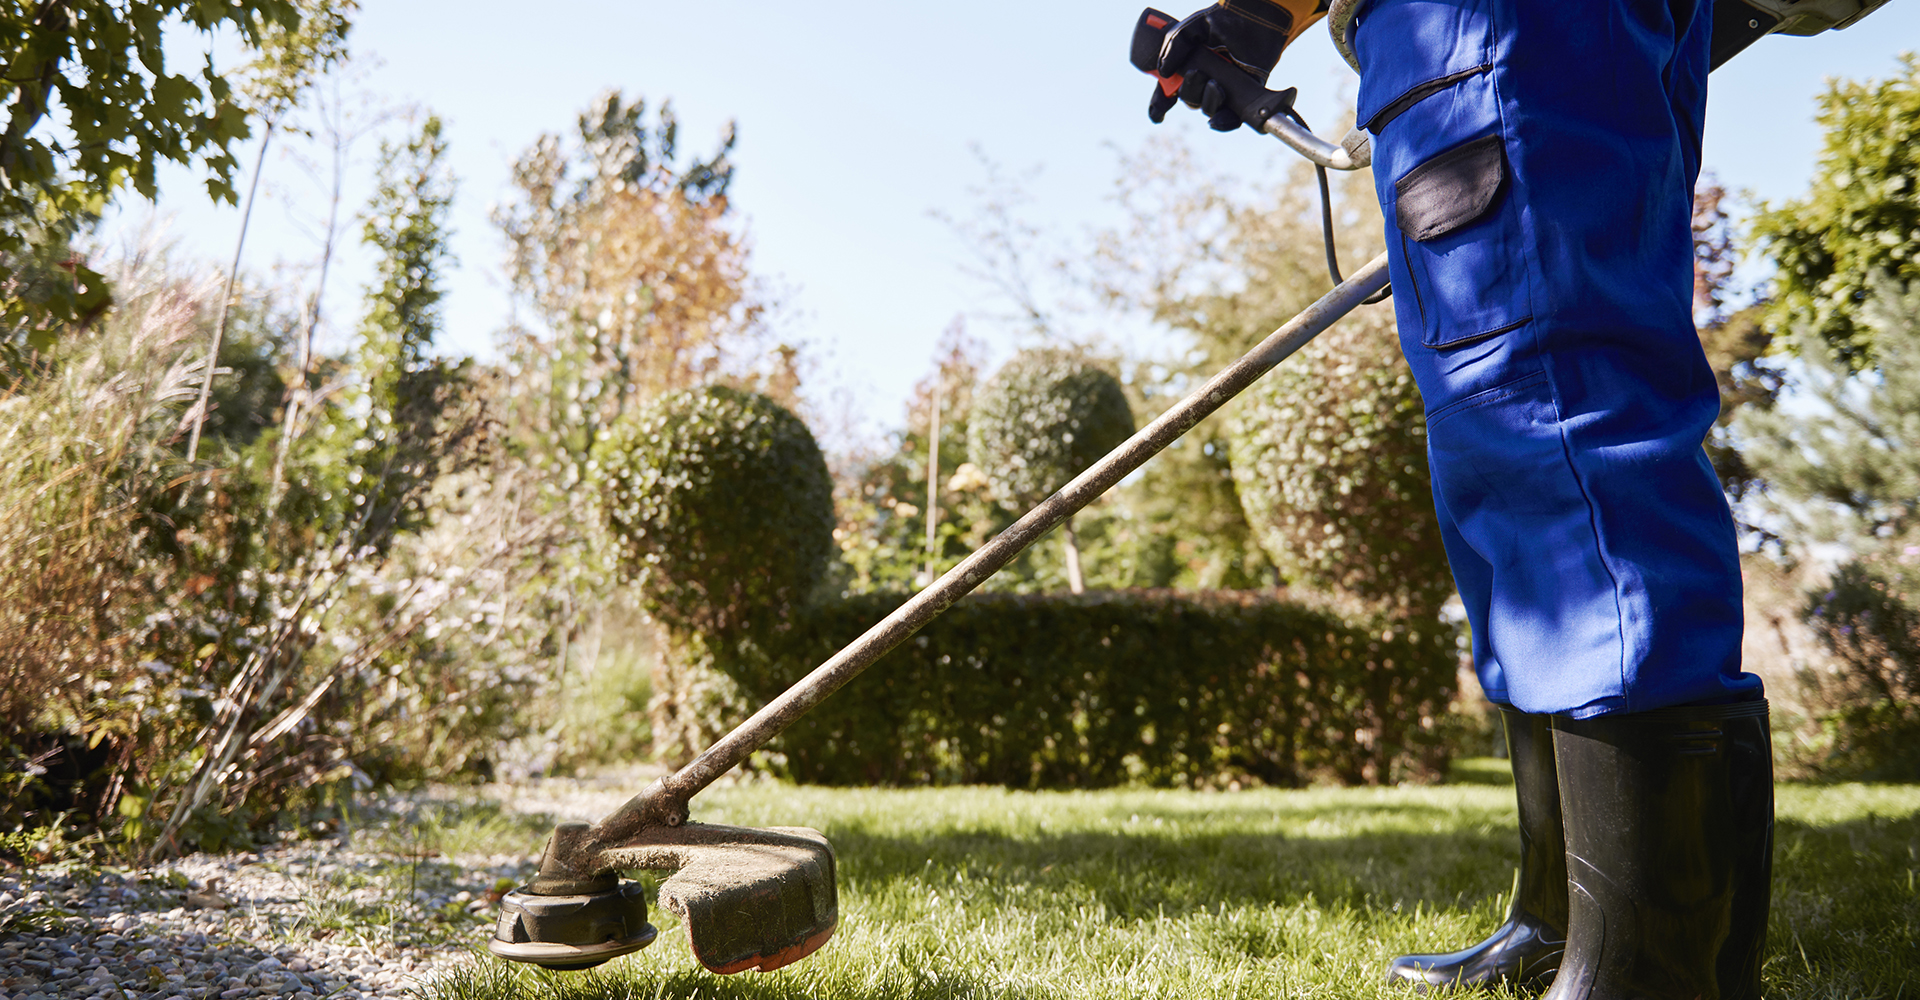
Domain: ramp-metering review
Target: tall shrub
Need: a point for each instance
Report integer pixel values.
(723, 509)
(1329, 458)
(1041, 420)
(302, 624)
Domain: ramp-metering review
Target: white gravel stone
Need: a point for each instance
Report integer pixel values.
(289, 930)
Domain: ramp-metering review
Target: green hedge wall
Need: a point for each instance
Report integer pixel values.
(1154, 687)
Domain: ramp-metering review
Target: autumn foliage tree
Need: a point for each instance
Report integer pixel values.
(627, 255)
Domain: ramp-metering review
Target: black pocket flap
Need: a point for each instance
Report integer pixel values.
(1452, 190)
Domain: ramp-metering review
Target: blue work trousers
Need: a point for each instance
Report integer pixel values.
(1535, 160)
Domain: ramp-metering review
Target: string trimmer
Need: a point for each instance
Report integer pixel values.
(760, 899)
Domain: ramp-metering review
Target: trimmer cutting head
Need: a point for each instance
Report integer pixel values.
(572, 932)
(751, 899)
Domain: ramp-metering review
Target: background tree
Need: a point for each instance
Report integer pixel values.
(1214, 262)
(92, 108)
(289, 61)
(1735, 337)
(630, 261)
(1225, 264)
(882, 505)
(1844, 467)
(402, 385)
(1042, 419)
(1859, 222)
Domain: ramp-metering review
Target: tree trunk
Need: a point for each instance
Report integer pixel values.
(933, 484)
(1075, 582)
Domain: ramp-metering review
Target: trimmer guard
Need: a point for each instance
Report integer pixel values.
(751, 898)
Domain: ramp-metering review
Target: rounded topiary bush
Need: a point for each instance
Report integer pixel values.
(1329, 456)
(1043, 418)
(723, 507)
(1040, 420)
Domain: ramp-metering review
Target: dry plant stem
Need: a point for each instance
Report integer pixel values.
(297, 393)
(664, 803)
(226, 299)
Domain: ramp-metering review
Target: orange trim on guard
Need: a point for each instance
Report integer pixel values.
(785, 956)
(1170, 85)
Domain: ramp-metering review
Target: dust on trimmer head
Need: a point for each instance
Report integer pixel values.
(751, 898)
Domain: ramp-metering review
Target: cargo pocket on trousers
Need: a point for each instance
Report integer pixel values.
(1459, 234)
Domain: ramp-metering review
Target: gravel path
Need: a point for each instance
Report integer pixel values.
(305, 920)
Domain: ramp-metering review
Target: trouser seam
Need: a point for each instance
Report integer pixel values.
(1599, 545)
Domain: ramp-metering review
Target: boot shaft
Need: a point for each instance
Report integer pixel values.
(1542, 894)
(1669, 827)
(1525, 950)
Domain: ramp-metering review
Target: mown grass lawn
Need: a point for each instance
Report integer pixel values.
(971, 892)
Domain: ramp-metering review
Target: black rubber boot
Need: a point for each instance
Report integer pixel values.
(1669, 819)
(1526, 949)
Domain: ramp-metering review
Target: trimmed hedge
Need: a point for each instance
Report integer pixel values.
(1153, 687)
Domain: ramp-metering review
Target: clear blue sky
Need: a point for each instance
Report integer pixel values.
(856, 122)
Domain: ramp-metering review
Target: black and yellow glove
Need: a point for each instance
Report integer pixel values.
(1251, 34)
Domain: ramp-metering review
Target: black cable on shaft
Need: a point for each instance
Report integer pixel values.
(1326, 221)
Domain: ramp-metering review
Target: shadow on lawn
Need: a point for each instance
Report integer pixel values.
(1149, 873)
(1846, 908)
(1845, 922)
(1143, 871)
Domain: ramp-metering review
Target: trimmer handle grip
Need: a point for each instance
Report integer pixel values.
(1246, 95)
(1149, 34)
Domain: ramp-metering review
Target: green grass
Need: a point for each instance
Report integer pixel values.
(980, 892)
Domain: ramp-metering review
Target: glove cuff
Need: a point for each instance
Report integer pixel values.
(1286, 18)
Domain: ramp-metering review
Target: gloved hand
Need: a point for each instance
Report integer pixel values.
(1249, 33)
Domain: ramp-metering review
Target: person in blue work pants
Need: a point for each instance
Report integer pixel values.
(1535, 162)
